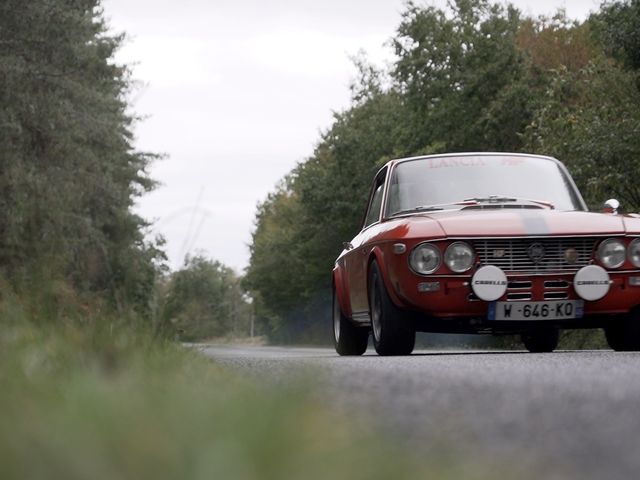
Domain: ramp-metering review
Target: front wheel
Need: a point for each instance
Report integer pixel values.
(347, 338)
(392, 332)
(541, 341)
(623, 335)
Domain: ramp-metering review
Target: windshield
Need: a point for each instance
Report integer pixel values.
(446, 180)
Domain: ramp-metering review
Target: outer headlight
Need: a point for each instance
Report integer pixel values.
(459, 257)
(633, 252)
(612, 253)
(425, 259)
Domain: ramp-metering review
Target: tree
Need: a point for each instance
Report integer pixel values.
(618, 29)
(69, 173)
(204, 299)
(589, 116)
(452, 66)
(591, 120)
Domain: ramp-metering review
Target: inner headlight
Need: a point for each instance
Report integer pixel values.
(612, 253)
(459, 257)
(425, 259)
(633, 252)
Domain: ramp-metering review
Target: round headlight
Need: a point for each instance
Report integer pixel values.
(459, 257)
(633, 252)
(425, 259)
(612, 253)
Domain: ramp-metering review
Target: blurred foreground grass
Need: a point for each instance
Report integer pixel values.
(78, 403)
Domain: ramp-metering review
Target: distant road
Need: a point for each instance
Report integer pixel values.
(560, 415)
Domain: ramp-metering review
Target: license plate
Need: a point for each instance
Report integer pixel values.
(552, 310)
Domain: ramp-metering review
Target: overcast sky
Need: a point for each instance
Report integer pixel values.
(235, 93)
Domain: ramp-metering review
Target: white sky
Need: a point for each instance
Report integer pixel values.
(235, 93)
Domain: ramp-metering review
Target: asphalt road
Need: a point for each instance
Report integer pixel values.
(560, 415)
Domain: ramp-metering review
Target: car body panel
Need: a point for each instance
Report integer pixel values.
(631, 224)
(489, 223)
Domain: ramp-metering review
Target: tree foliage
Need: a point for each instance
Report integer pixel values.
(453, 65)
(618, 27)
(204, 299)
(590, 119)
(69, 173)
(473, 76)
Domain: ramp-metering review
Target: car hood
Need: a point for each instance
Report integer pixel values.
(512, 222)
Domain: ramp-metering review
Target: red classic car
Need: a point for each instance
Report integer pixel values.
(489, 243)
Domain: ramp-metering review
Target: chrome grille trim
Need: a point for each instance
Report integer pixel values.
(511, 255)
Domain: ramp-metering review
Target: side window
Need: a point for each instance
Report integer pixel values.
(375, 205)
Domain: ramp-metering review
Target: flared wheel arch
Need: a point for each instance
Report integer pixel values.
(377, 256)
(338, 285)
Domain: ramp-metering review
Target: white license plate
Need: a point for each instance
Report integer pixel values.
(552, 310)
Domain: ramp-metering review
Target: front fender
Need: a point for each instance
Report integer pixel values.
(341, 287)
(378, 254)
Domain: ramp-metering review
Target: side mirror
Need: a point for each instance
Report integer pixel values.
(611, 206)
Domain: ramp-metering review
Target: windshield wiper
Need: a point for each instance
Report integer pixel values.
(434, 208)
(491, 199)
(425, 208)
(503, 199)
(474, 202)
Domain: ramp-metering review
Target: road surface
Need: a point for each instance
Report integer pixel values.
(560, 415)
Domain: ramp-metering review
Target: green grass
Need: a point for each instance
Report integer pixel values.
(78, 404)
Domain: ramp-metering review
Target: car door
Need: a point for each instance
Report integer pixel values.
(357, 257)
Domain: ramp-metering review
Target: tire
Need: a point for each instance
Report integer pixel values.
(347, 338)
(615, 337)
(624, 334)
(393, 333)
(541, 341)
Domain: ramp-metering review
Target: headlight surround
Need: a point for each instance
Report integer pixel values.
(612, 253)
(425, 259)
(633, 252)
(459, 257)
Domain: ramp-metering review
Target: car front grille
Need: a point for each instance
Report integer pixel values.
(536, 255)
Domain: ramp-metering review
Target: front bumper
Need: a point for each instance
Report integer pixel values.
(451, 296)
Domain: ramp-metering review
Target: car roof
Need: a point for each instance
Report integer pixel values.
(470, 154)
